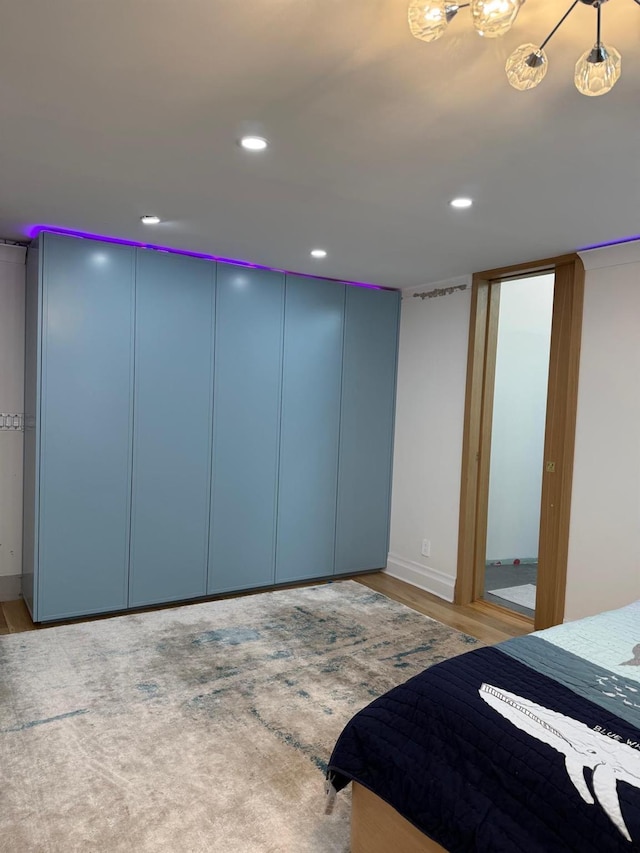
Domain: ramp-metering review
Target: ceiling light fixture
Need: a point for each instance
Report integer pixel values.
(150, 219)
(318, 253)
(461, 203)
(596, 72)
(254, 143)
(428, 19)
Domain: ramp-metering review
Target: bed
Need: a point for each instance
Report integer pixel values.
(530, 746)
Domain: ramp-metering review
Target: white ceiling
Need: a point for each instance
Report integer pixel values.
(114, 108)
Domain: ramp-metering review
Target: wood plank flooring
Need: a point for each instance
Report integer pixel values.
(4, 627)
(488, 624)
(484, 622)
(16, 618)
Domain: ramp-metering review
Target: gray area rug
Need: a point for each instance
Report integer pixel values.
(198, 728)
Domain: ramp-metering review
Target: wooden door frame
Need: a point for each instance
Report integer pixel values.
(562, 397)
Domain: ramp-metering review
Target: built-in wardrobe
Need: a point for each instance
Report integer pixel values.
(195, 428)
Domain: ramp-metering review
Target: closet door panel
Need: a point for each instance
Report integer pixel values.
(172, 427)
(366, 438)
(85, 426)
(249, 321)
(314, 315)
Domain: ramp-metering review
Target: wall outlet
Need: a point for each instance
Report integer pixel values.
(426, 548)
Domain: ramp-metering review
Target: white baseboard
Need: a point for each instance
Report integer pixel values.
(431, 580)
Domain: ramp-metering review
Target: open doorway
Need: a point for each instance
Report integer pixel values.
(519, 435)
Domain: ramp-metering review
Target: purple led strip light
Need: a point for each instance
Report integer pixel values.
(69, 232)
(617, 242)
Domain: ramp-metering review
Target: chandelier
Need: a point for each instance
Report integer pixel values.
(597, 70)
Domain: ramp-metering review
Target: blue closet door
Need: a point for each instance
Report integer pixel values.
(248, 367)
(313, 330)
(172, 427)
(366, 436)
(85, 426)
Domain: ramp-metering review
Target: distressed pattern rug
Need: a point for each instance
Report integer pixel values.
(197, 728)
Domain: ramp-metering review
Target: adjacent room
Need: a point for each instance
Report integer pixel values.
(319, 458)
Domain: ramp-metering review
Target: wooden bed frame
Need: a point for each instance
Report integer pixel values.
(376, 827)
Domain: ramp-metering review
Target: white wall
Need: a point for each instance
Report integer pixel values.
(428, 439)
(604, 546)
(519, 414)
(12, 280)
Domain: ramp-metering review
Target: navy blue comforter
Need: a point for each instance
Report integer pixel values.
(529, 746)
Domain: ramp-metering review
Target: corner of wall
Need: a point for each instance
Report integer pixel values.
(618, 254)
(12, 254)
(12, 301)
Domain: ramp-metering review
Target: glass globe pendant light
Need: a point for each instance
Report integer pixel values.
(528, 64)
(493, 18)
(428, 19)
(526, 67)
(596, 72)
(598, 69)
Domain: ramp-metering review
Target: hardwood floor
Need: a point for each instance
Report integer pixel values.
(14, 617)
(488, 624)
(483, 621)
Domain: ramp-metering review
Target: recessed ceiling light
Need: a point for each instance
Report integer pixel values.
(318, 253)
(461, 202)
(150, 219)
(253, 143)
